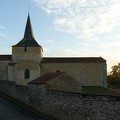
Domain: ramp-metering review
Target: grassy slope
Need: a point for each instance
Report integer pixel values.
(98, 90)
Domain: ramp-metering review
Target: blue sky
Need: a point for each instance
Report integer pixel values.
(79, 28)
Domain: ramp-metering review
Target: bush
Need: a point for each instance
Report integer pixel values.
(113, 80)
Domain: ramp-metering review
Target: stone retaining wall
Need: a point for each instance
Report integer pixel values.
(3, 70)
(65, 105)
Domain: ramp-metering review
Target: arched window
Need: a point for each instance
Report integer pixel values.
(27, 74)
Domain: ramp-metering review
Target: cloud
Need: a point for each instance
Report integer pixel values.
(1, 27)
(4, 50)
(3, 34)
(83, 53)
(94, 23)
(69, 52)
(72, 7)
(84, 18)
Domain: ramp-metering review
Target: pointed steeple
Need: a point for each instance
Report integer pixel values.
(28, 30)
(28, 39)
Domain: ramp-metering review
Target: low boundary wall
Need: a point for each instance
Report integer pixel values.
(64, 105)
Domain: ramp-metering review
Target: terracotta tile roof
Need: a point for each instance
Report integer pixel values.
(73, 60)
(46, 78)
(5, 57)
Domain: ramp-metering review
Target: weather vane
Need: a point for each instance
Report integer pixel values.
(28, 6)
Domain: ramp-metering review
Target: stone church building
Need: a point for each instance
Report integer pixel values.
(27, 64)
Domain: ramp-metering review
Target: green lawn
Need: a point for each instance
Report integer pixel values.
(98, 90)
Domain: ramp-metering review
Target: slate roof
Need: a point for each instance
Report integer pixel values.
(46, 78)
(28, 39)
(73, 60)
(5, 57)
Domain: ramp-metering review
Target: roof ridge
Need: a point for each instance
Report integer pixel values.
(5, 57)
(72, 59)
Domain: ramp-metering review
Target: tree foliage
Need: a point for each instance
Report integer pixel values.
(114, 76)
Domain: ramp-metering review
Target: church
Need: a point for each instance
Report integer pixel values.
(27, 64)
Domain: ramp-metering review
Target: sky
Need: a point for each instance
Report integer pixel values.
(64, 28)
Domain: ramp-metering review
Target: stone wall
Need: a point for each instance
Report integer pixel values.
(32, 53)
(89, 74)
(20, 68)
(65, 83)
(65, 105)
(4, 70)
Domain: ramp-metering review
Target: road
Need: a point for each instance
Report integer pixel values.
(11, 111)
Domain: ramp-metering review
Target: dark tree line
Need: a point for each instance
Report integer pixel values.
(114, 76)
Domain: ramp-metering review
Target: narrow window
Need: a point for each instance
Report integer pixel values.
(25, 49)
(27, 74)
(57, 70)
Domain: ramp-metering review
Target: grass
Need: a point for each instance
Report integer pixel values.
(98, 90)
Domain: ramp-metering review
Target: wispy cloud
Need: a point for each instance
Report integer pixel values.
(90, 21)
(83, 17)
(3, 33)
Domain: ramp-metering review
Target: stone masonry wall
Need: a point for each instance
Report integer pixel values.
(89, 74)
(65, 105)
(65, 83)
(3, 70)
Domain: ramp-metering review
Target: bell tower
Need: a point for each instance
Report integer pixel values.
(26, 57)
(27, 48)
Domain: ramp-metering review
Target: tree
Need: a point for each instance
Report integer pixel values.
(114, 76)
